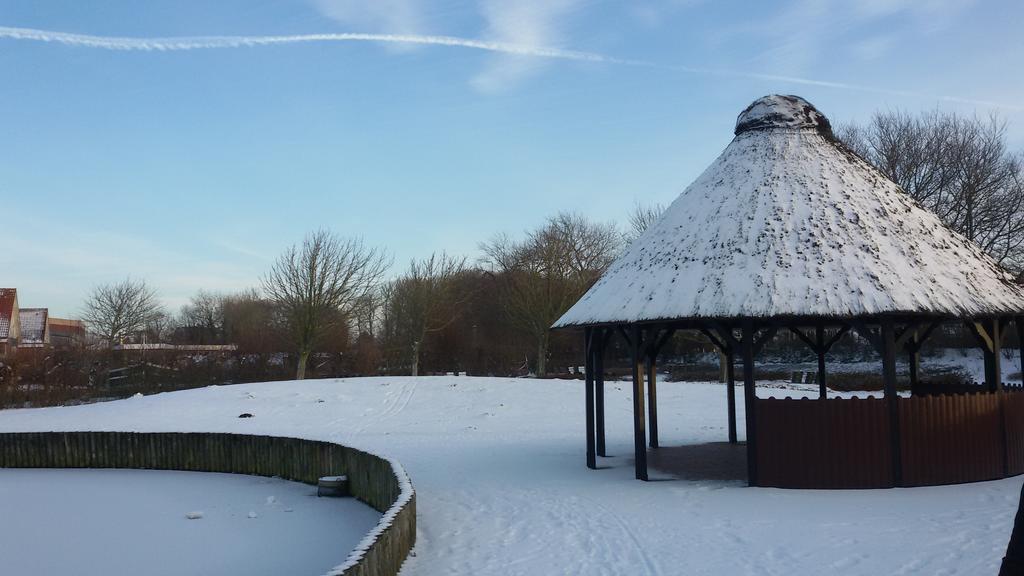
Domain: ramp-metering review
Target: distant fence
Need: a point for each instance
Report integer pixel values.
(376, 481)
(848, 443)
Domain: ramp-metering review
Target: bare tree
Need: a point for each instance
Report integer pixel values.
(544, 274)
(958, 167)
(161, 327)
(319, 285)
(115, 312)
(249, 322)
(425, 300)
(641, 218)
(204, 314)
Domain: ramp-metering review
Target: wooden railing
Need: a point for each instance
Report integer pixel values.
(849, 443)
(380, 483)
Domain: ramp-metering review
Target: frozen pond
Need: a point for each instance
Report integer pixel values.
(102, 522)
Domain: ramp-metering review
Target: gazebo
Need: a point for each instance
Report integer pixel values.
(788, 229)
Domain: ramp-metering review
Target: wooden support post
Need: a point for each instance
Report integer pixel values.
(652, 395)
(588, 353)
(819, 346)
(639, 428)
(888, 345)
(750, 400)
(730, 392)
(1019, 322)
(984, 340)
(915, 370)
(996, 384)
(601, 338)
(914, 362)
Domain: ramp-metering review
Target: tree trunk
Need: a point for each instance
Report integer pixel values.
(416, 358)
(300, 371)
(542, 356)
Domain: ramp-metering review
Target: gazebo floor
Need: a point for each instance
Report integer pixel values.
(711, 461)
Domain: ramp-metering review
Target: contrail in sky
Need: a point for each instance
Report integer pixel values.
(215, 42)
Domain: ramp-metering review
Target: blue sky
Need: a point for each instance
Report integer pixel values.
(195, 168)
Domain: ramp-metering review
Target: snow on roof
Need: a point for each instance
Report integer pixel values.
(8, 297)
(776, 111)
(788, 222)
(33, 325)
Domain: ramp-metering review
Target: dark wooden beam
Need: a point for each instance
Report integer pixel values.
(722, 347)
(666, 334)
(819, 341)
(588, 353)
(913, 347)
(996, 384)
(655, 341)
(1019, 323)
(725, 335)
(750, 399)
(652, 397)
(820, 346)
(981, 335)
(601, 338)
(730, 394)
(888, 341)
(1004, 323)
(904, 335)
(767, 335)
(727, 344)
(988, 335)
(835, 337)
(625, 335)
(639, 428)
(867, 333)
(813, 345)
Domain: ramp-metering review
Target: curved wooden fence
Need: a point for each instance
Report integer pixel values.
(849, 443)
(380, 483)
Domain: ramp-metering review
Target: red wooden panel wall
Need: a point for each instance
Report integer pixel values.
(951, 438)
(814, 443)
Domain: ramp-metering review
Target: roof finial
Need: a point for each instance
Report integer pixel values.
(779, 111)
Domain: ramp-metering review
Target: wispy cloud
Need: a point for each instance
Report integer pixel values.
(380, 16)
(803, 32)
(534, 23)
(57, 271)
(214, 42)
(394, 16)
(499, 47)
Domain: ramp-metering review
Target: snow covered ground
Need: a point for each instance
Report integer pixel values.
(102, 522)
(498, 465)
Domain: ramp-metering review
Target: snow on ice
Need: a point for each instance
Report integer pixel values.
(104, 522)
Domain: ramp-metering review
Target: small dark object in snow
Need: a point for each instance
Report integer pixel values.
(245, 415)
(332, 486)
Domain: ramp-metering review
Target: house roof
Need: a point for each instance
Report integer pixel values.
(33, 325)
(8, 300)
(65, 324)
(789, 222)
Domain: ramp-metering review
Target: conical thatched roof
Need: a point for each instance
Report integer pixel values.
(788, 222)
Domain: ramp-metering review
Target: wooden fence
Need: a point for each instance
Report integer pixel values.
(823, 443)
(848, 443)
(378, 482)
